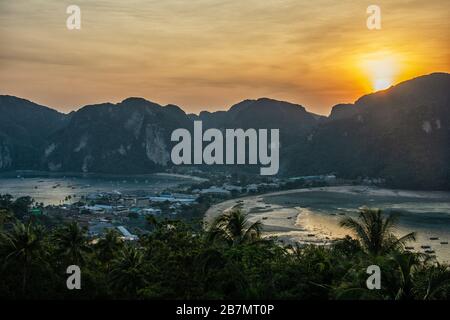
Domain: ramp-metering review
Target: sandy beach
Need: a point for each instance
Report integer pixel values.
(312, 215)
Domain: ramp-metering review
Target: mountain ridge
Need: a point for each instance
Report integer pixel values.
(396, 134)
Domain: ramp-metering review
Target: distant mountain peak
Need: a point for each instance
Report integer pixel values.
(389, 134)
(424, 90)
(265, 103)
(9, 101)
(421, 87)
(136, 101)
(174, 109)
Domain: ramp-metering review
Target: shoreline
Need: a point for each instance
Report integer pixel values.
(53, 189)
(294, 216)
(181, 176)
(69, 174)
(349, 189)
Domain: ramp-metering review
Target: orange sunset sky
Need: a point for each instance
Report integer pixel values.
(210, 54)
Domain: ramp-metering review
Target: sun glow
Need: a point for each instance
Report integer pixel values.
(381, 69)
(382, 83)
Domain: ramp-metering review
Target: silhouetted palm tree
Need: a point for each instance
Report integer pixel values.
(23, 246)
(127, 271)
(5, 216)
(109, 246)
(72, 244)
(375, 232)
(407, 263)
(437, 282)
(234, 228)
(420, 279)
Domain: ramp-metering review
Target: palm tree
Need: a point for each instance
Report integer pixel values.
(234, 228)
(407, 263)
(6, 201)
(435, 282)
(375, 232)
(152, 221)
(5, 216)
(421, 277)
(72, 243)
(23, 246)
(127, 271)
(108, 246)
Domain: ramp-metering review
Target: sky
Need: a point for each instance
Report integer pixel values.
(211, 54)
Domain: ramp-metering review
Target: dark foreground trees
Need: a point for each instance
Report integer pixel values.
(375, 231)
(234, 228)
(230, 260)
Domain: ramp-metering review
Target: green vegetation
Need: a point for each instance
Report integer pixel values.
(233, 228)
(375, 232)
(228, 260)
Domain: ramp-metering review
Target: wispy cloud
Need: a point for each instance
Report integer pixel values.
(208, 52)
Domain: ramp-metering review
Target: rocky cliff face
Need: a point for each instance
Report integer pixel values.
(24, 129)
(5, 157)
(401, 134)
(134, 135)
(129, 137)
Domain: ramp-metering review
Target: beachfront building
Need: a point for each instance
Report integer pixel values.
(252, 187)
(148, 211)
(326, 178)
(170, 197)
(126, 235)
(99, 208)
(232, 188)
(216, 191)
(98, 228)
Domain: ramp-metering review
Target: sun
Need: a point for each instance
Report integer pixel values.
(382, 83)
(381, 70)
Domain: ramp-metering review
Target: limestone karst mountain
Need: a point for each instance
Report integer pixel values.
(401, 134)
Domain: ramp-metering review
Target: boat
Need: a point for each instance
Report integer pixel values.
(444, 242)
(434, 238)
(429, 251)
(409, 248)
(425, 247)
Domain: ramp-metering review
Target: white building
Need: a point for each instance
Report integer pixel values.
(216, 191)
(98, 208)
(126, 234)
(180, 198)
(153, 211)
(252, 187)
(230, 187)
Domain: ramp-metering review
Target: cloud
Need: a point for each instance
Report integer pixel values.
(172, 50)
